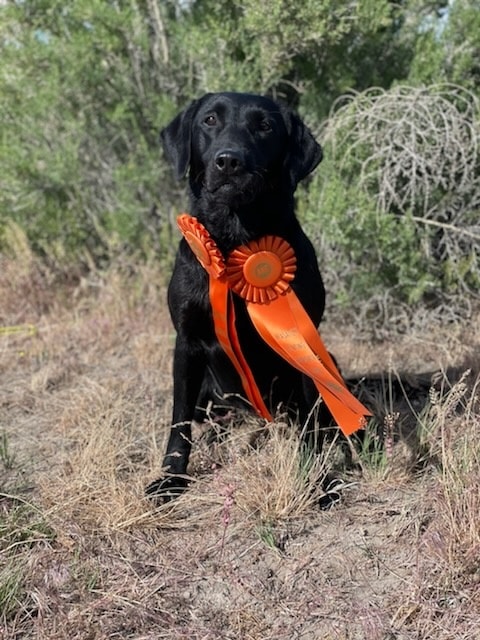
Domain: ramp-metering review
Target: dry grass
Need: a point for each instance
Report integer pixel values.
(245, 554)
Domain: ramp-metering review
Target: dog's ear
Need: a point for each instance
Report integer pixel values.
(304, 152)
(176, 140)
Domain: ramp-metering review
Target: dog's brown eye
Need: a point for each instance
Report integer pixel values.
(211, 120)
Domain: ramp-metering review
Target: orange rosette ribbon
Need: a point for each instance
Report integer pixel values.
(262, 270)
(202, 245)
(261, 273)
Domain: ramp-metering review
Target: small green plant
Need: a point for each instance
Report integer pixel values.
(11, 588)
(22, 524)
(6, 456)
(21, 527)
(86, 572)
(375, 449)
(266, 533)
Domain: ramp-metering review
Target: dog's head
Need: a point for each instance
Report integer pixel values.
(236, 145)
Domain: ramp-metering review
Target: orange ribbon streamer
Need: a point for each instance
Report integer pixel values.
(223, 310)
(261, 272)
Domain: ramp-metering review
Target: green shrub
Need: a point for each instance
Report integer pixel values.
(394, 209)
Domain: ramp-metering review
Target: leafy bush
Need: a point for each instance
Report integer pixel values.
(84, 90)
(399, 200)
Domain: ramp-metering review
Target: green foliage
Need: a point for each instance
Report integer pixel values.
(79, 152)
(6, 456)
(267, 534)
(398, 199)
(315, 50)
(370, 252)
(372, 454)
(11, 589)
(447, 49)
(21, 527)
(86, 85)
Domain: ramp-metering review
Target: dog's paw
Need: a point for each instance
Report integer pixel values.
(166, 489)
(332, 494)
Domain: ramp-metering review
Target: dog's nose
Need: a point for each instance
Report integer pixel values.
(229, 162)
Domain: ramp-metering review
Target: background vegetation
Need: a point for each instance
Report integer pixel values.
(86, 85)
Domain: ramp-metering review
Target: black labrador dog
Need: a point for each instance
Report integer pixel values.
(244, 156)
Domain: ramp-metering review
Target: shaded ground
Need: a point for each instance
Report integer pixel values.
(84, 410)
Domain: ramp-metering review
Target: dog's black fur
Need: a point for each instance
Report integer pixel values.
(244, 156)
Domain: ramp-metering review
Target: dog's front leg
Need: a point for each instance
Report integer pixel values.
(188, 374)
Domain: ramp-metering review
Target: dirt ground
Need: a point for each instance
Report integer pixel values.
(85, 399)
